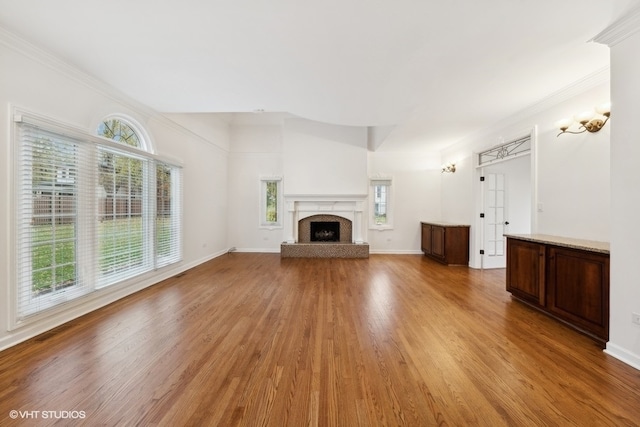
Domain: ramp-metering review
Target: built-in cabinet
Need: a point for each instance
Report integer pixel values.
(566, 278)
(445, 242)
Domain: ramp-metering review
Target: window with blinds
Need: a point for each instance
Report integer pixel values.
(89, 213)
(168, 219)
(50, 223)
(123, 234)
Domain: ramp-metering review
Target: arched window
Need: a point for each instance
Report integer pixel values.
(119, 131)
(124, 131)
(95, 209)
(131, 215)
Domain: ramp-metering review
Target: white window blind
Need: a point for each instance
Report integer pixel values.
(89, 214)
(124, 231)
(168, 214)
(51, 169)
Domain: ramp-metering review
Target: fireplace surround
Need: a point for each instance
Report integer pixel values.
(302, 210)
(349, 207)
(317, 228)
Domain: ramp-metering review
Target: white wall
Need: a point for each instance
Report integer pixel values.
(415, 197)
(574, 174)
(36, 81)
(311, 157)
(316, 158)
(256, 151)
(571, 173)
(624, 336)
(324, 159)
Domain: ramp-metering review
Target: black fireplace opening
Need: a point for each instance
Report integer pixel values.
(325, 231)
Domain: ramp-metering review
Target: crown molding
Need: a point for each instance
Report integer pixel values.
(601, 76)
(43, 57)
(621, 29)
(579, 87)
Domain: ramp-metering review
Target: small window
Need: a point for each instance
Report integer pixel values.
(508, 150)
(119, 131)
(270, 202)
(381, 215)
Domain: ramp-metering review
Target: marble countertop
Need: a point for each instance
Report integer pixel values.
(444, 224)
(567, 242)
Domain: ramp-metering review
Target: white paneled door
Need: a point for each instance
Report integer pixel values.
(495, 220)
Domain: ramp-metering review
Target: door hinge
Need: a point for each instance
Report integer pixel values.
(482, 215)
(481, 251)
(482, 178)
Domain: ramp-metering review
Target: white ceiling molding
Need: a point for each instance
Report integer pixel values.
(33, 52)
(602, 76)
(623, 28)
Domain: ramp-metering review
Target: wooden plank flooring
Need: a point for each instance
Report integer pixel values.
(253, 339)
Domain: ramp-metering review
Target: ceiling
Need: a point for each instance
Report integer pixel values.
(423, 74)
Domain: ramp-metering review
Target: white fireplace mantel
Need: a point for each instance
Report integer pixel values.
(300, 206)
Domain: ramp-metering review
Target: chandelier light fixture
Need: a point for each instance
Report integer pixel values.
(590, 121)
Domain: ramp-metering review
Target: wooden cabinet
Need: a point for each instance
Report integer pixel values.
(578, 289)
(446, 243)
(568, 283)
(526, 270)
(426, 239)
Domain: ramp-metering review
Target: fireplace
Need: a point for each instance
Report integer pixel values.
(346, 209)
(325, 231)
(325, 228)
(340, 218)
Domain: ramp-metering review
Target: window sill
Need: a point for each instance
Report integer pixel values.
(381, 227)
(271, 227)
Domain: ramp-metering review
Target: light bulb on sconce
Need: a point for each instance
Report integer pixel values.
(449, 168)
(589, 120)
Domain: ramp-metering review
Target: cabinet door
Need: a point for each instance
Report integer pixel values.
(525, 270)
(438, 235)
(578, 289)
(426, 239)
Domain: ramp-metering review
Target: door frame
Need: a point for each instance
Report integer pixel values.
(477, 238)
(487, 260)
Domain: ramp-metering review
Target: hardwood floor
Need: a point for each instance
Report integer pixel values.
(253, 339)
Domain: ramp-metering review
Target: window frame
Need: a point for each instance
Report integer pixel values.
(262, 219)
(146, 145)
(87, 271)
(389, 197)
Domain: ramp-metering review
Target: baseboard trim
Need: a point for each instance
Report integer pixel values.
(258, 250)
(623, 355)
(395, 252)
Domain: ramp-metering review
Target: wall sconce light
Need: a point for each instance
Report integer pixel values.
(449, 168)
(589, 121)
